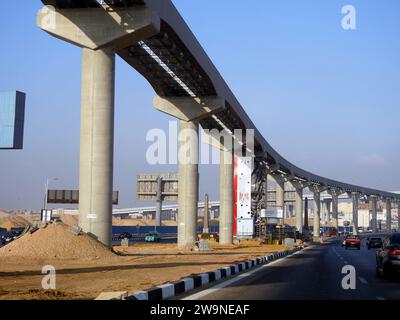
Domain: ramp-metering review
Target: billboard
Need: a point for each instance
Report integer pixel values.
(150, 185)
(71, 197)
(12, 117)
(272, 213)
(243, 220)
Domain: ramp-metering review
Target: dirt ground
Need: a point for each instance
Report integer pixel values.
(142, 267)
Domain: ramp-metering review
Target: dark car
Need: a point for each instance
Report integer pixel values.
(388, 258)
(125, 235)
(374, 243)
(8, 237)
(353, 242)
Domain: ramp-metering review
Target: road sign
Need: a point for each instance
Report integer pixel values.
(158, 187)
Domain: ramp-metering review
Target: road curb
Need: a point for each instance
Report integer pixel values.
(187, 284)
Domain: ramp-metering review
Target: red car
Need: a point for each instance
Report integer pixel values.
(353, 241)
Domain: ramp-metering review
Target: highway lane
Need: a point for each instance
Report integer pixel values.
(312, 274)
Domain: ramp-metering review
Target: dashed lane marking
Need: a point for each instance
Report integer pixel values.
(222, 285)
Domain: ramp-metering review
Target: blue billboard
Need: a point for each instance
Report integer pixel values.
(12, 116)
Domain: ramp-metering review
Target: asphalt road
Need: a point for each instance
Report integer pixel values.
(312, 274)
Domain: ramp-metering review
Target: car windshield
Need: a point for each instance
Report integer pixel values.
(352, 237)
(396, 238)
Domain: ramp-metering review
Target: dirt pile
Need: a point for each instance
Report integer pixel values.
(56, 242)
(142, 223)
(8, 225)
(10, 221)
(3, 214)
(71, 220)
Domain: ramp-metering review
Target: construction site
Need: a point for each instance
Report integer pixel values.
(86, 268)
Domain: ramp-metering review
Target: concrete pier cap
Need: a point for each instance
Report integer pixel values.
(95, 28)
(189, 108)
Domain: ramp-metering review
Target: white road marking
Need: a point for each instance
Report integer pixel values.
(240, 277)
(362, 280)
(380, 298)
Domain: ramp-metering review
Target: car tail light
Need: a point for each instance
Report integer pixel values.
(394, 252)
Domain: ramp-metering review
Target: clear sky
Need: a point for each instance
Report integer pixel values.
(327, 99)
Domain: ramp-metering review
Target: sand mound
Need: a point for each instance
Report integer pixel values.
(3, 214)
(10, 222)
(142, 223)
(58, 243)
(8, 225)
(70, 220)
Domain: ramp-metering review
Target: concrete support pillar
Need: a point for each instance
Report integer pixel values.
(355, 197)
(299, 209)
(97, 143)
(206, 213)
(317, 214)
(189, 111)
(389, 215)
(266, 191)
(306, 226)
(335, 211)
(398, 216)
(280, 193)
(374, 211)
(298, 187)
(226, 196)
(188, 156)
(327, 209)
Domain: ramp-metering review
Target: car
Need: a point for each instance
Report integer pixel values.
(125, 235)
(374, 243)
(7, 238)
(153, 236)
(388, 257)
(353, 242)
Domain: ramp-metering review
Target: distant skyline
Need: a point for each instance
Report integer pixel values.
(328, 100)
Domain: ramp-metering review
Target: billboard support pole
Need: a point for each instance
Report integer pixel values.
(158, 203)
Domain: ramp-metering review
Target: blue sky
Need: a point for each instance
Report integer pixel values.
(327, 99)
